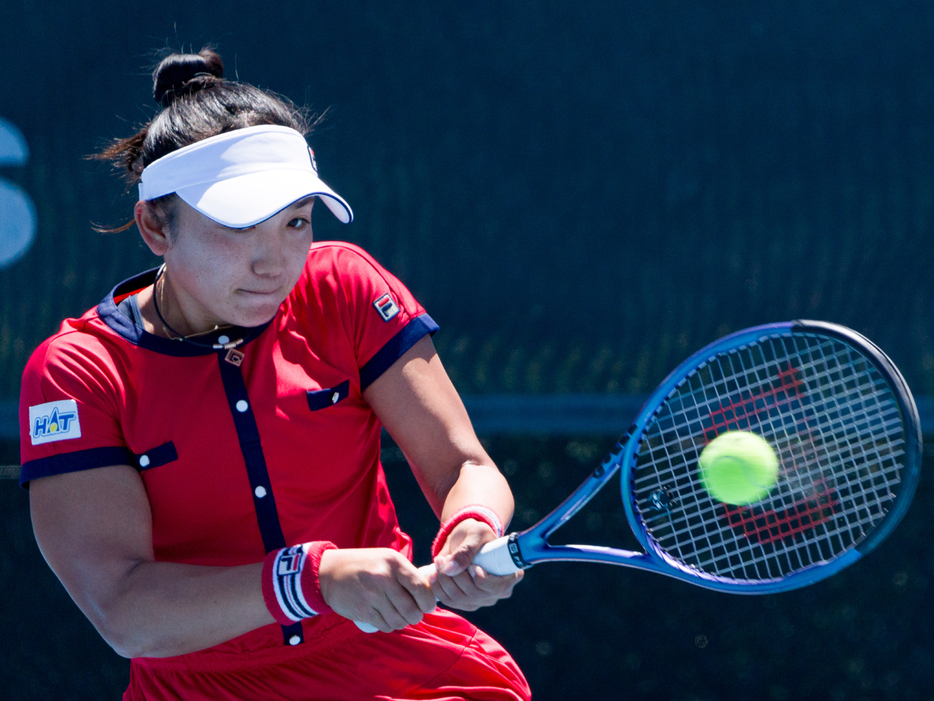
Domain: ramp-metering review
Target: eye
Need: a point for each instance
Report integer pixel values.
(298, 223)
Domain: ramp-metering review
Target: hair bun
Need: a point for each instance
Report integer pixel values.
(179, 74)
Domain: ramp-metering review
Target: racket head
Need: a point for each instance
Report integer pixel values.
(843, 424)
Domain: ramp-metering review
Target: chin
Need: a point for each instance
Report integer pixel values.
(255, 317)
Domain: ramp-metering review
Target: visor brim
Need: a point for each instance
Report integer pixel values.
(249, 199)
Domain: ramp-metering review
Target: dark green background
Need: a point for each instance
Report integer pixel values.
(581, 194)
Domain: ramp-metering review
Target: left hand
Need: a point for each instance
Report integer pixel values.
(461, 584)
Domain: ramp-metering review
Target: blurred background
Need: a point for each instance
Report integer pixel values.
(581, 195)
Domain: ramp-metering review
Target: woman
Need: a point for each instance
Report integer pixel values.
(202, 448)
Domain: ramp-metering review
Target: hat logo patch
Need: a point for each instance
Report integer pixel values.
(386, 307)
(54, 421)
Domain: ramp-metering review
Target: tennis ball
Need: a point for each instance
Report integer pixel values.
(738, 467)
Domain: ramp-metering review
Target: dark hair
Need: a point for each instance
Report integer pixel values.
(197, 103)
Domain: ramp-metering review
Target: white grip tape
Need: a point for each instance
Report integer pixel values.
(494, 557)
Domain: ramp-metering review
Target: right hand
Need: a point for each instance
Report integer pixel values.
(461, 584)
(375, 585)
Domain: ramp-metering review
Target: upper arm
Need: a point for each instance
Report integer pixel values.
(422, 411)
(93, 527)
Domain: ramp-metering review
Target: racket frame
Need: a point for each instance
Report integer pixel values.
(531, 546)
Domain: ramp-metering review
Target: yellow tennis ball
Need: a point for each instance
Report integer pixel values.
(738, 467)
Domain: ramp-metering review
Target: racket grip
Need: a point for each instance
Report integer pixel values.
(494, 557)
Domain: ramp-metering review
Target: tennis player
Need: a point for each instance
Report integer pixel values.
(202, 448)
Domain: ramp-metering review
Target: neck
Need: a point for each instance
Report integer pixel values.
(157, 314)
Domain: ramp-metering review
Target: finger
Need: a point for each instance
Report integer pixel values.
(469, 538)
(499, 586)
(385, 617)
(459, 560)
(408, 599)
(446, 590)
(417, 584)
(403, 609)
(461, 592)
(372, 622)
(475, 588)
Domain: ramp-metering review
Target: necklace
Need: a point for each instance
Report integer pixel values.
(175, 335)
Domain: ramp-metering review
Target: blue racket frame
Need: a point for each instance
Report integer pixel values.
(531, 545)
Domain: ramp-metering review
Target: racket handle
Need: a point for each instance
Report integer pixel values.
(494, 557)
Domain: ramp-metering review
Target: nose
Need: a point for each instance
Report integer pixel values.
(270, 251)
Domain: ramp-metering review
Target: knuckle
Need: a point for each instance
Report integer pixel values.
(414, 617)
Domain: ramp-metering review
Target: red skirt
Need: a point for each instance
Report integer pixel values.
(442, 658)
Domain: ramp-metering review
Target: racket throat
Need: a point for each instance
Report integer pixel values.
(515, 552)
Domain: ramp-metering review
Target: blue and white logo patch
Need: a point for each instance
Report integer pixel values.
(54, 421)
(386, 307)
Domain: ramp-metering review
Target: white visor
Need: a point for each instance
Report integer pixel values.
(243, 177)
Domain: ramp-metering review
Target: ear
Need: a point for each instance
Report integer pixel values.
(152, 227)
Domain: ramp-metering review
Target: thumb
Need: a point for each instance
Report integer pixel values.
(461, 548)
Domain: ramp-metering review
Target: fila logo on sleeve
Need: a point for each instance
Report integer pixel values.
(386, 307)
(54, 421)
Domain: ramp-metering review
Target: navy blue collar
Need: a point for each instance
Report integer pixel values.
(122, 325)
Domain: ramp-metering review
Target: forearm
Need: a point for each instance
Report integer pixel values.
(477, 509)
(479, 484)
(163, 609)
(94, 529)
(422, 411)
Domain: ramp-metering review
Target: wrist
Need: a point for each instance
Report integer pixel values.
(477, 512)
(291, 588)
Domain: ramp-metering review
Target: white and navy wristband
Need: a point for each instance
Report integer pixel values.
(290, 582)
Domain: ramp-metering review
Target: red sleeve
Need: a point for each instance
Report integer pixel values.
(69, 416)
(381, 317)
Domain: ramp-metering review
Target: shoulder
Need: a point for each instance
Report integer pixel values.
(340, 257)
(346, 271)
(82, 348)
(85, 334)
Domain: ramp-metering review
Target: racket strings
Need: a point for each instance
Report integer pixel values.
(832, 419)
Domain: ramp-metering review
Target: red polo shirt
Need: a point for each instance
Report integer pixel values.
(242, 451)
(247, 450)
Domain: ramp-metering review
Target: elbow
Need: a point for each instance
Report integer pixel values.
(123, 650)
(125, 633)
(122, 639)
(130, 644)
(127, 621)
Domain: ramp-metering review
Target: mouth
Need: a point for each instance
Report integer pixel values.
(261, 293)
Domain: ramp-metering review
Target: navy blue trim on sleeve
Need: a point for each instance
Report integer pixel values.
(74, 462)
(395, 348)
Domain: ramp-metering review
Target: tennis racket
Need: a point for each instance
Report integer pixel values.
(832, 406)
(839, 416)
